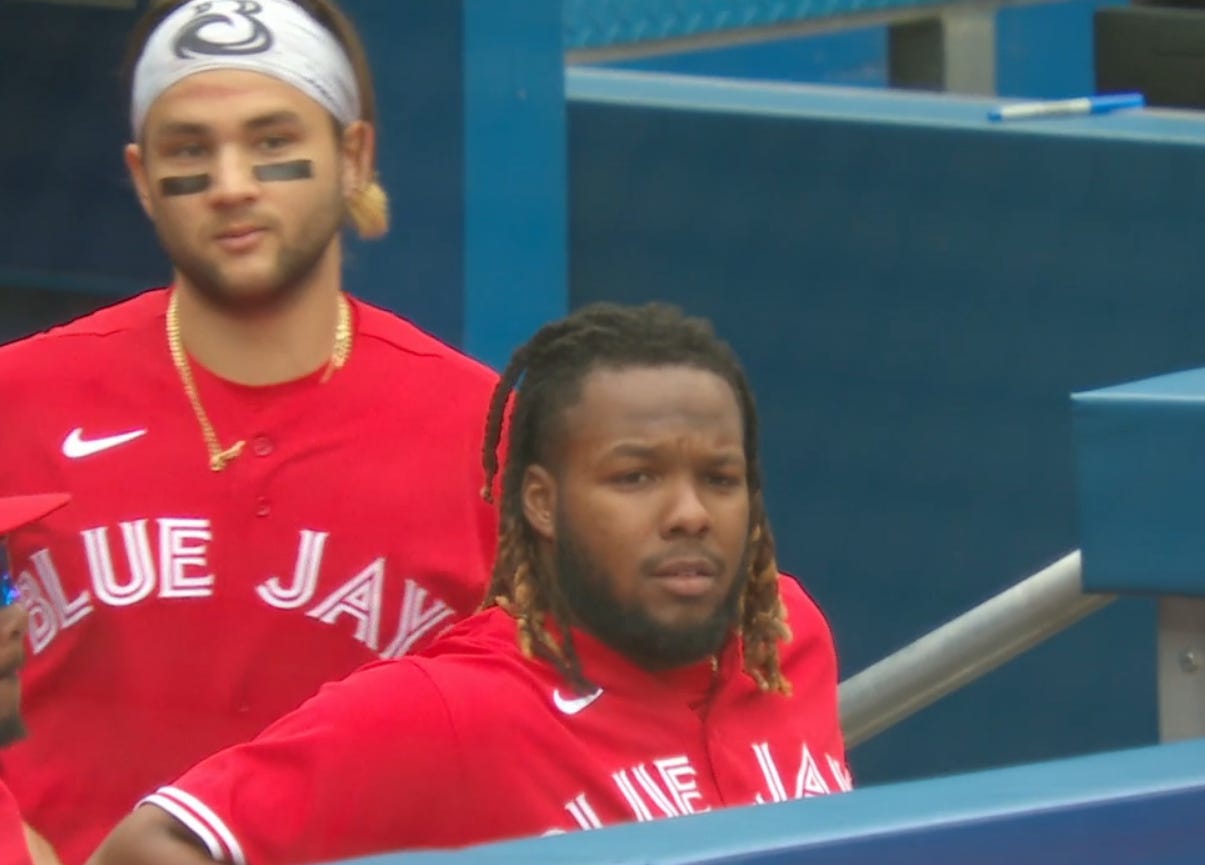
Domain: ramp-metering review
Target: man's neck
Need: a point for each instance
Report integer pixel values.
(262, 347)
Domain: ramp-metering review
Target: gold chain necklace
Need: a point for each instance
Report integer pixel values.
(219, 456)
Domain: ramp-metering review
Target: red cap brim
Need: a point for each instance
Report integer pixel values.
(16, 511)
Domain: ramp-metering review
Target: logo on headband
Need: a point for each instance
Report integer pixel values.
(236, 32)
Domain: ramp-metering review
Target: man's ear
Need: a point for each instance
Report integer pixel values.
(359, 155)
(539, 501)
(137, 169)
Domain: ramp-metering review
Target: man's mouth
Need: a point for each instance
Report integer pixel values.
(240, 238)
(687, 577)
(697, 566)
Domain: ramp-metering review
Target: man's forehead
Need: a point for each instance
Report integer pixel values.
(223, 97)
(623, 400)
(230, 82)
(635, 381)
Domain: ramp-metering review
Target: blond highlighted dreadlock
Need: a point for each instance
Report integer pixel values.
(552, 366)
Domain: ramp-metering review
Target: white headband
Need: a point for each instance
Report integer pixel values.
(275, 37)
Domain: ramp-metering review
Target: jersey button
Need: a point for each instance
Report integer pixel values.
(262, 507)
(261, 445)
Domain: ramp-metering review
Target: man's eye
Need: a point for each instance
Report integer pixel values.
(274, 142)
(633, 478)
(191, 150)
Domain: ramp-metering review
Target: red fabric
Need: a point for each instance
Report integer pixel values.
(466, 744)
(369, 481)
(18, 510)
(13, 848)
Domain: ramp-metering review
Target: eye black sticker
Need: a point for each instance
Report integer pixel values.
(187, 185)
(297, 169)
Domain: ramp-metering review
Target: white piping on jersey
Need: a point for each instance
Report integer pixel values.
(202, 821)
(191, 822)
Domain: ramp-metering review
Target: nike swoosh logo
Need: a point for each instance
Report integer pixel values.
(576, 704)
(75, 446)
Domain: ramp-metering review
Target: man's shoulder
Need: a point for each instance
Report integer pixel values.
(446, 681)
(405, 342)
(810, 629)
(75, 339)
(798, 600)
(480, 655)
(477, 646)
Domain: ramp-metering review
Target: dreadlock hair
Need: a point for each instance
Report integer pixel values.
(552, 366)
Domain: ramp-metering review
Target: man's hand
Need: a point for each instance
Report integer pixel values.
(150, 836)
(40, 850)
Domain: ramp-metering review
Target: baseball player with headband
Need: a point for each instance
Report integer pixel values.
(640, 655)
(273, 483)
(19, 845)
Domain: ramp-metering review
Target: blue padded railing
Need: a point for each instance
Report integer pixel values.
(592, 24)
(1121, 808)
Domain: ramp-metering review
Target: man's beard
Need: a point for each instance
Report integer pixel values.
(294, 265)
(12, 729)
(628, 628)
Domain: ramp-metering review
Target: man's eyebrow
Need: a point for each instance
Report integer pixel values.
(727, 458)
(733, 456)
(631, 449)
(274, 119)
(177, 127)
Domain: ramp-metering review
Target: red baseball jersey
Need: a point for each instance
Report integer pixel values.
(175, 611)
(473, 742)
(13, 848)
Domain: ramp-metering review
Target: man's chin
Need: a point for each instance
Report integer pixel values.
(664, 642)
(683, 645)
(244, 291)
(687, 617)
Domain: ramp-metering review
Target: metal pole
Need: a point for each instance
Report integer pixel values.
(1181, 668)
(966, 648)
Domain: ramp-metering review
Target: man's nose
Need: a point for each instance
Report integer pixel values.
(688, 513)
(232, 180)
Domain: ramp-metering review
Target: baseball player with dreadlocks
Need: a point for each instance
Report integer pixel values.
(639, 655)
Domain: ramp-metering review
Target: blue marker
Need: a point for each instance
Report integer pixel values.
(1067, 107)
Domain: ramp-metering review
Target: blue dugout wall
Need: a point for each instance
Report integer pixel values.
(1132, 807)
(915, 292)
